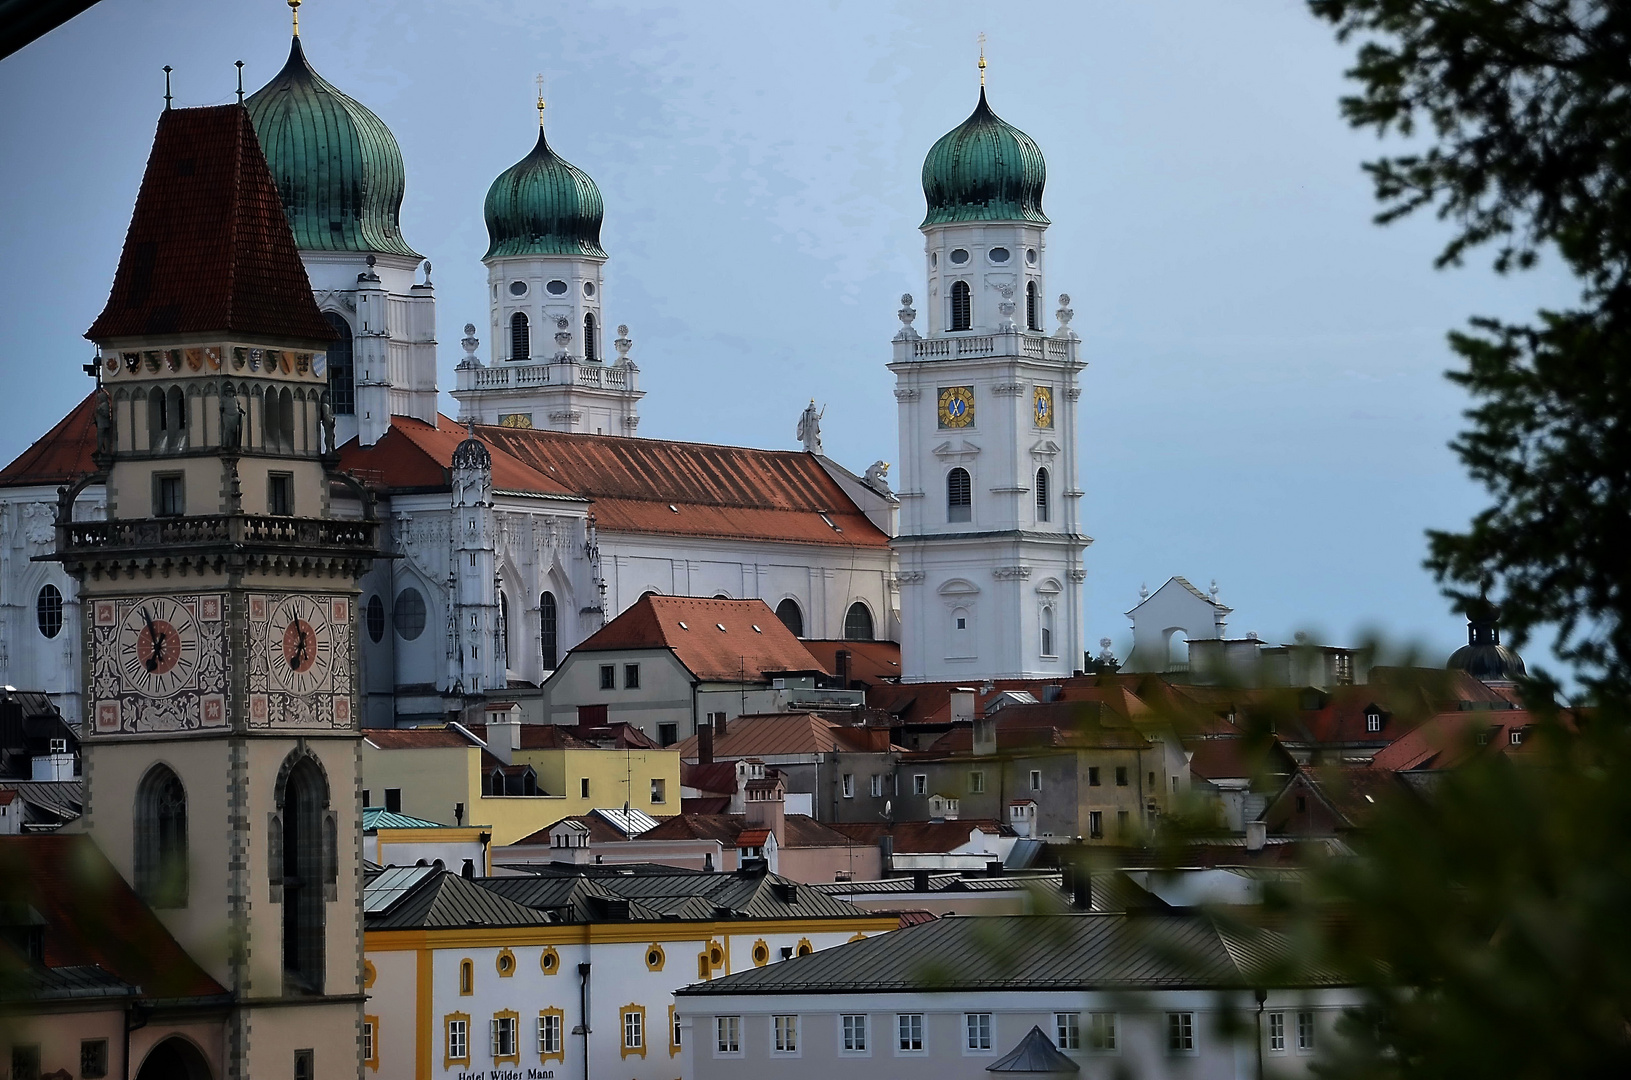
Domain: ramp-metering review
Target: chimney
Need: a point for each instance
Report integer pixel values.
(504, 731)
(1257, 835)
(962, 705)
(705, 744)
(1081, 896)
(469, 871)
(920, 881)
(766, 804)
(721, 726)
(985, 736)
(842, 664)
(993, 868)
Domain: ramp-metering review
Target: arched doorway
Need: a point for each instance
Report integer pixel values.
(174, 1059)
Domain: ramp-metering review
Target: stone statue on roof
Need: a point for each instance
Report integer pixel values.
(809, 432)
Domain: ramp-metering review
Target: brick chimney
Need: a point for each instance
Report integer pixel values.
(705, 744)
(764, 796)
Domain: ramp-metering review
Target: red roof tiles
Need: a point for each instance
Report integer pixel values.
(716, 640)
(425, 738)
(871, 662)
(209, 249)
(413, 454)
(61, 455)
(798, 830)
(787, 733)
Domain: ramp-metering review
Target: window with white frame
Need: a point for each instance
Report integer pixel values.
(1095, 824)
(549, 1033)
(1067, 1030)
(368, 1040)
(504, 1036)
(1101, 1031)
(728, 1034)
(849, 785)
(976, 782)
(877, 786)
(458, 1040)
(785, 1031)
(634, 1029)
(854, 1031)
(909, 1030)
(1036, 779)
(1277, 1032)
(1180, 1033)
(920, 783)
(676, 1036)
(1305, 1030)
(977, 1028)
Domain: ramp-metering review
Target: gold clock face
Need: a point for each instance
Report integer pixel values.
(302, 660)
(1042, 406)
(515, 420)
(158, 647)
(956, 406)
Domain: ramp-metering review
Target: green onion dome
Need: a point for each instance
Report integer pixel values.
(337, 166)
(984, 170)
(543, 205)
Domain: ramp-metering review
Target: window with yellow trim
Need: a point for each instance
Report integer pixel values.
(550, 962)
(552, 1035)
(455, 1039)
(858, 936)
(761, 953)
(634, 1030)
(655, 957)
(804, 947)
(505, 1033)
(673, 1031)
(467, 978)
(505, 963)
(370, 1042)
(704, 969)
(716, 954)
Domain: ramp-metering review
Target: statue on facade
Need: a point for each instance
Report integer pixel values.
(877, 477)
(809, 432)
(103, 417)
(325, 417)
(232, 424)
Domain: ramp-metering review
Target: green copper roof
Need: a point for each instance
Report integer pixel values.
(543, 205)
(337, 166)
(984, 170)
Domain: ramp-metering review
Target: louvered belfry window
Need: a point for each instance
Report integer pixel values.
(959, 495)
(520, 337)
(961, 308)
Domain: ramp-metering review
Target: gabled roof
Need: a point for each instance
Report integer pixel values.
(798, 830)
(600, 830)
(61, 454)
(1238, 758)
(92, 918)
(374, 819)
(445, 900)
(1450, 739)
(209, 249)
(1061, 725)
(773, 734)
(414, 455)
(1034, 1054)
(716, 640)
(871, 662)
(1032, 952)
(1183, 583)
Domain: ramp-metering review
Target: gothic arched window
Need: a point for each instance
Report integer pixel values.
(306, 858)
(342, 377)
(549, 640)
(961, 311)
(790, 615)
(48, 610)
(1042, 495)
(591, 347)
(520, 337)
(161, 839)
(959, 495)
(1033, 306)
(858, 623)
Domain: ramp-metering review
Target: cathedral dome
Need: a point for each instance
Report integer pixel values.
(543, 205)
(984, 170)
(1483, 656)
(337, 166)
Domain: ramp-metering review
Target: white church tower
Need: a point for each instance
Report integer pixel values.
(549, 367)
(990, 542)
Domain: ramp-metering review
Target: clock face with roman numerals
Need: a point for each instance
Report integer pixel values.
(158, 647)
(302, 645)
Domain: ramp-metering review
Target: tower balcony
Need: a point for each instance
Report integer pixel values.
(509, 376)
(969, 346)
(214, 541)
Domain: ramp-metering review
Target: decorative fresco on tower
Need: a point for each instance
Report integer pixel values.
(300, 658)
(158, 664)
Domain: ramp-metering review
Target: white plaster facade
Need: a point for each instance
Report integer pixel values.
(1165, 621)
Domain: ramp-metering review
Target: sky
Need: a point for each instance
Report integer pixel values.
(1264, 404)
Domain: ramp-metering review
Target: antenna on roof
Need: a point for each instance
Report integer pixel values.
(240, 82)
(167, 70)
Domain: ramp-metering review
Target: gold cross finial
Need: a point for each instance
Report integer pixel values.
(294, 9)
(982, 60)
(540, 99)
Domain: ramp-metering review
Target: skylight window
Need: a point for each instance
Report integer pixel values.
(756, 629)
(721, 627)
(674, 508)
(683, 626)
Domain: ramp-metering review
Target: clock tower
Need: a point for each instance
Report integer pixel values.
(990, 541)
(221, 743)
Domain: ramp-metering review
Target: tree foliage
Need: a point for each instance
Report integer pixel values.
(1516, 119)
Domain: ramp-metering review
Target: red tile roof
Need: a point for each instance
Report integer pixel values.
(930, 703)
(424, 738)
(751, 838)
(1238, 758)
(871, 662)
(783, 733)
(415, 455)
(798, 830)
(539, 737)
(60, 455)
(1450, 739)
(93, 917)
(716, 640)
(209, 249)
(717, 776)
(1082, 725)
(601, 831)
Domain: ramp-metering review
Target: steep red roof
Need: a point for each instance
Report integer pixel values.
(93, 917)
(717, 776)
(695, 489)
(1237, 758)
(61, 454)
(1450, 739)
(716, 640)
(425, 738)
(209, 249)
(930, 702)
(786, 733)
(413, 454)
(539, 737)
(871, 662)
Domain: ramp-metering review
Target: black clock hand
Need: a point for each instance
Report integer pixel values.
(300, 647)
(153, 635)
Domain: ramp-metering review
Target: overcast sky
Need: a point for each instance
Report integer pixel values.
(1264, 403)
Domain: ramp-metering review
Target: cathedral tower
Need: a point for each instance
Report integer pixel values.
(549, 366)
(221, 748)
(990, 545)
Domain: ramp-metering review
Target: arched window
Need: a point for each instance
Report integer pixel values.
(271, 427)
(1042, 495)
(549, 640)
(520, 337)
(161, 839)
(374, 615)
(858, 623)
(48, 610)
(1033, 306)
(410, 613)
(961, 313)
(306, 870)
(175, 416)
(959, 495)
(342, 376)
(1047, 631)
(790, 615)
(591, 347)
(285, 419)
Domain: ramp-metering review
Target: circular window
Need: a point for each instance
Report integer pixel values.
(588, 288)
(654, 958)
(716, 956)
(959, 256)
(1030, 256)
(549, 961)
(48, 610)
(934, 259)
(506, 963)
(410, 613)
(556, 287)
(518, 288)
(999, 255)
(374, 615)
(761, 953)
